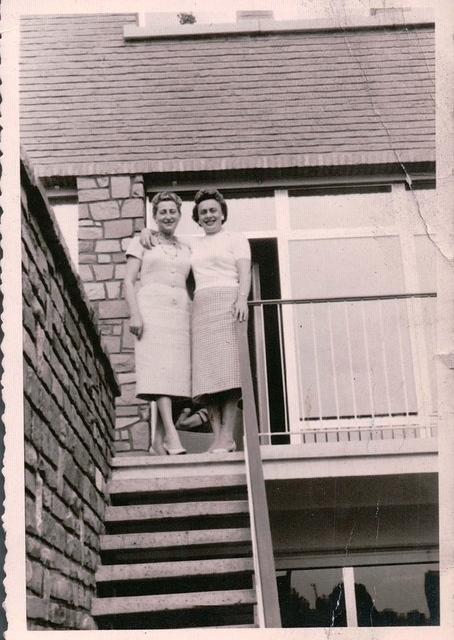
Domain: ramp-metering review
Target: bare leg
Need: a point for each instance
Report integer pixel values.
(159, 437)
(229, 410)
(214, 415)
(171, 438)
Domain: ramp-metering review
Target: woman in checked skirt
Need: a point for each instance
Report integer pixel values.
(221, 263)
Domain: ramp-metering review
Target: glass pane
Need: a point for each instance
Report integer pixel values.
(397, 595)
(341, 211)
(311, 598)
(354, 357)
(251, 214)
(67, 216)
(346, 267)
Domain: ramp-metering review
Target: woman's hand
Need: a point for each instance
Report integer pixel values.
(148, 238)
(136, 325)
(240, 309)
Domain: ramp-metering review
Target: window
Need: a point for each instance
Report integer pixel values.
(67, 216)
(384, 595)
(311, 598)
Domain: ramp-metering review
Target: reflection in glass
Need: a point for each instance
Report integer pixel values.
(311, 598)
(397, 595)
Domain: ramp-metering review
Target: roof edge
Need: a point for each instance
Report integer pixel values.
(315, 160)
(418, 17)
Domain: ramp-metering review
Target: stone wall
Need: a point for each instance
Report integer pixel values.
(111, 210)
(69, 414)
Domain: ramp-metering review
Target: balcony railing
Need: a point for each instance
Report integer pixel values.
(345, 369)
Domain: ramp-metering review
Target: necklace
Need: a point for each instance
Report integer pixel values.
(169, 243)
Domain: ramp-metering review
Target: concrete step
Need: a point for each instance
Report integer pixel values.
(144, 513)
(165, 570)
(136, 486)
(171, 602)
(165, 539)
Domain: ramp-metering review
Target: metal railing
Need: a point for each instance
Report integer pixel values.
(348, 368)
(268, 612)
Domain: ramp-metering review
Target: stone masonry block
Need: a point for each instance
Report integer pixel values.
(88, 258)
(103, 271)
(85, 273)
(105, 210)
(93, 195)
(120, 186)
(107, 246)
(119, 257)
(86, 183)
(139, 224)
(37, 608)
(86, 246)
(137, 190)
(128, 338)
(120, 270)
(84, 212)
(133, 208)
(118, 228)
(125, 243)
(123, 362)
(95, 291)
(90, 232)
(112, 343)
(113, 309)
(128, 395)
(104, 258)
(113, 290)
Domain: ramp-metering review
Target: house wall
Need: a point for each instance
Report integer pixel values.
(69, 393)
(111, 210)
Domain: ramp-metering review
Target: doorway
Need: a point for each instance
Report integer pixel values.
(266, 343)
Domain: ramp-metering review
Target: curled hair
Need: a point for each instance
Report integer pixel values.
(208, 194)
(164, 196)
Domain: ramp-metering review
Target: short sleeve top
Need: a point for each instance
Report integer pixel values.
(214, 259)
(163, 264)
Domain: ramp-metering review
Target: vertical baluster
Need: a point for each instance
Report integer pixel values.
(284, 377)
(385, 360)
(350, 359)
(366, 347)
(300, 376)
(261, 373)
(333, 363)
(401, 356)
(317, 372)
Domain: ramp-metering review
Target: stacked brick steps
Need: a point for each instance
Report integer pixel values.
(176, 554)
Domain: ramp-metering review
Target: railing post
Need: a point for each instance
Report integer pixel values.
(265, 573)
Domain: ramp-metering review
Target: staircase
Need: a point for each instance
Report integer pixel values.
(176, 554)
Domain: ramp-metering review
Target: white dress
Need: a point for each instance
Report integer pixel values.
(163, 353)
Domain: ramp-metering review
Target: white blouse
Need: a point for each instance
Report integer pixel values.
(214, 257)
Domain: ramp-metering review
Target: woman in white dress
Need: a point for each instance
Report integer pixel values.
(221, 264)
(160, 319)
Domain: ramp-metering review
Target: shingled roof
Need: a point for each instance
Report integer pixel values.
(94, 103)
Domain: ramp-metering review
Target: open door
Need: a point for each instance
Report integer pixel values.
(267, 344)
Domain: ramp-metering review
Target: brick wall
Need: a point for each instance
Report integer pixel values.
(111, 210)
(69, 393)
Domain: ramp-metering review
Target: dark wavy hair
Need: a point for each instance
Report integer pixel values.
(208, 194)
(164, 196)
